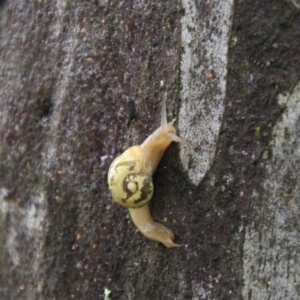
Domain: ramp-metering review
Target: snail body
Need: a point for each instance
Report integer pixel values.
(130, 179)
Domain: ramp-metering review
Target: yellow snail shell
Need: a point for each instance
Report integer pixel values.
(130, 186)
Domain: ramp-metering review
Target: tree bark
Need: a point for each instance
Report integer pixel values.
(82, 81)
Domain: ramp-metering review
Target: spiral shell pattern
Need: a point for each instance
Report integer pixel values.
(128, 182)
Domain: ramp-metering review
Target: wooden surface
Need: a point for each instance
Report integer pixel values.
(82, 81)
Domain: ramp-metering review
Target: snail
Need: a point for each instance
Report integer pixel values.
(130, 179)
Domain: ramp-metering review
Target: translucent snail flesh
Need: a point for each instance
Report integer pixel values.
(130, 179)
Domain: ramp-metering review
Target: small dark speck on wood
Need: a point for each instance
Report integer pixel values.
(132, 111)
